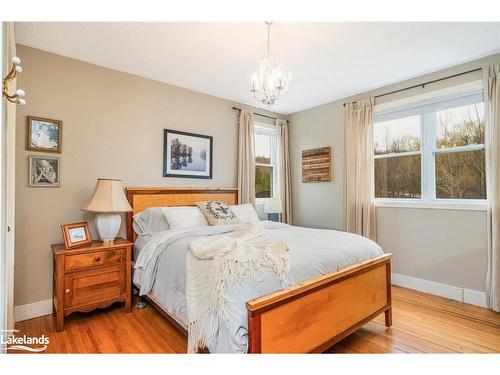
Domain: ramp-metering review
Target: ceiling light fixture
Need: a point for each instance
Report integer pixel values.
(269, 82)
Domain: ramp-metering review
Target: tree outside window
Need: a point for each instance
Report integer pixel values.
(435, 154)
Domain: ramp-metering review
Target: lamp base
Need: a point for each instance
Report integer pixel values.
(108, 226)
(274, 217)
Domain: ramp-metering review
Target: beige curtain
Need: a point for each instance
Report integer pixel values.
(360, 207)
(284, 170)
(246, 159)
(491, 86)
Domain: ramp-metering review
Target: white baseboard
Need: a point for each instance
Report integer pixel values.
(473, 297)
(33, 310)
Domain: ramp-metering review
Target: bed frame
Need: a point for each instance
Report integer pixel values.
(308, 317)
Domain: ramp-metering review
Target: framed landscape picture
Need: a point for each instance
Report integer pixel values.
(44, 171)
(44, 135)
(187, 154)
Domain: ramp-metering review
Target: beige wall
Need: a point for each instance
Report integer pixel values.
(447, 246)
(112, 127)
(321, 204)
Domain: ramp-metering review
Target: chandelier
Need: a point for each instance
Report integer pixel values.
(269, 82)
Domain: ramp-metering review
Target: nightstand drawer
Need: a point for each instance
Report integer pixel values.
(96, 259)
(87, 287)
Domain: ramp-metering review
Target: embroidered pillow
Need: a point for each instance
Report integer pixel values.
(217, 212)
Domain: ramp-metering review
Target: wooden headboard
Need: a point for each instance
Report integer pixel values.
(144, 197)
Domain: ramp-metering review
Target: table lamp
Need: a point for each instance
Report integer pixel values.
(273, 208)
(108, 201)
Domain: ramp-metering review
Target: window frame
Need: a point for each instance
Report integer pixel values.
(427, 109)
(261, 128)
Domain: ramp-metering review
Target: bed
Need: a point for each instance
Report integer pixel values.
(309, 316)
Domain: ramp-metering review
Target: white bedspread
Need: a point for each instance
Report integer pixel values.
(161, 271)
(217, 263)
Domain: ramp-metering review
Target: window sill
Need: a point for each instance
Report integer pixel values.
(437, 205)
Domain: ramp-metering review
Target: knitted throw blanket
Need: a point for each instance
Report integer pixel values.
(215, 264)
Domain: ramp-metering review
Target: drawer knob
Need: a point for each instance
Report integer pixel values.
(68, 291)
(97, 259)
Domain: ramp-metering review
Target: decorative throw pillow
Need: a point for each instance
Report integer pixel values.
(217, 212)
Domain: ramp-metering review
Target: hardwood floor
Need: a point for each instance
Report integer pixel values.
(421, 324)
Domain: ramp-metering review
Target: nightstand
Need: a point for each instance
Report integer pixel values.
(90, 277)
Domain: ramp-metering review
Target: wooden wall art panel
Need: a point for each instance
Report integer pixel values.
(316, 165)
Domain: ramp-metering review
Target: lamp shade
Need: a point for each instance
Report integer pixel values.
(108, 197)
(273, 206)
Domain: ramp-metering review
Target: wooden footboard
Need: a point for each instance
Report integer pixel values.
(312, 316)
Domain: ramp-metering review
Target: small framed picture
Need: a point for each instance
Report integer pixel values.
(187, 154)
(76, 234)
(44, 171)
(44, 135)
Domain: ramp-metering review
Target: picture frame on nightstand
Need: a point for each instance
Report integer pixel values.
(76, 234)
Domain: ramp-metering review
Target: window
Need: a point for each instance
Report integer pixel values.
(459, 154)
(398, 158)
(265, 161)
(432, 151)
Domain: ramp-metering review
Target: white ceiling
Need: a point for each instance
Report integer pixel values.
(328, 61)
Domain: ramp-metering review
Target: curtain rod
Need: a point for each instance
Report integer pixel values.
(425, 83)
(259, 114)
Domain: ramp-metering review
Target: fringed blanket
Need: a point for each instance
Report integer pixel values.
(216, 263)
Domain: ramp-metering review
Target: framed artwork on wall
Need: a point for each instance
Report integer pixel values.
(44, 135)
(76, 234)
(44, 171)
(187, 154)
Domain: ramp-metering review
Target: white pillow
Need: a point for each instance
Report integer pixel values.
(245, 213)
(184, 217)
(150, 221)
